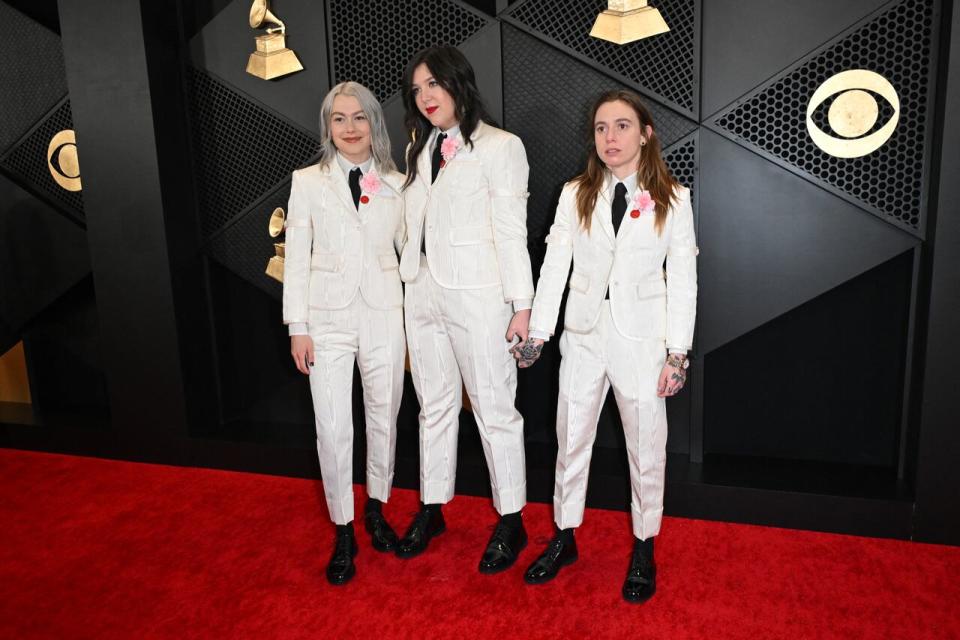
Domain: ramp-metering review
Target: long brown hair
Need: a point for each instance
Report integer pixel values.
(652, 173)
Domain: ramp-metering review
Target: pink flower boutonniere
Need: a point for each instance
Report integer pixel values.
(369, 184)
(643, 204)
(448, 150)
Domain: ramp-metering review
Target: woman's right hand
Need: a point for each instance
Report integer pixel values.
(301, 348)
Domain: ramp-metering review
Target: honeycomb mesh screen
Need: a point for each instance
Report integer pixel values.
(245, 247)
(663, 64)
(33, 63)
(681, 158)
(547, 95)
(897, 45)
(28, 160)
(241, 150)
(372, 40)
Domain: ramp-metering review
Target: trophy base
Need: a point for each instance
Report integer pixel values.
(275, 268)
(273, 64)
(621, 27)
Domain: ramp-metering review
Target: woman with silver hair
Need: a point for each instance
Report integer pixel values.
(343, 302)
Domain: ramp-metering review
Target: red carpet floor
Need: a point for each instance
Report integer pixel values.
(102, 549)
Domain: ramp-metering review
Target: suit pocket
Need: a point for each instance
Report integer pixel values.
(579, 282)
(329, 262)
(388, 262)
(470, 235)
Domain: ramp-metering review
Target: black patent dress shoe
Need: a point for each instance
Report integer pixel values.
(504, 546)
(341, 569)
(382, 535)
(426, 524)
(641, 582)
(557, 555)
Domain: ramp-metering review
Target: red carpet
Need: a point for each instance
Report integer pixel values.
(101, 549)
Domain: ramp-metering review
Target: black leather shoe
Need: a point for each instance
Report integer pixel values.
(341, 569)
(641, 582)
(557, 555)
(504, 546)
(426, 524)
(381, 533)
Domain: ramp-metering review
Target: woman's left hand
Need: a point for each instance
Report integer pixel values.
(672, 377)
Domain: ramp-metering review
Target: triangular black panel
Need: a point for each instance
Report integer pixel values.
(738, 54)
(770, 241)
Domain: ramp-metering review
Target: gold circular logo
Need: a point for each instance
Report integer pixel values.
(853, 113)
(62, 160)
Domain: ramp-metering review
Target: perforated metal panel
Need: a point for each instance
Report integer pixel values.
(551, 123)
(241, 150)
(888, 182)
(681, 158)
(245, 247)
(663, 64)
(28, 160)
(33, 74)
(373, 40)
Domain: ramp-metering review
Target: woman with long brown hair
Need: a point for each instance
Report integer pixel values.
(628, 322)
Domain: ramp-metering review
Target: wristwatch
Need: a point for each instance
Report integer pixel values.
(681, 362)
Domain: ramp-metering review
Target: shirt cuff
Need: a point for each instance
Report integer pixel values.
(678, 350)
(298, 329)
(539, 335)
(522, 305)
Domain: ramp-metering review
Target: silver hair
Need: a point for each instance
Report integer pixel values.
(379, 138)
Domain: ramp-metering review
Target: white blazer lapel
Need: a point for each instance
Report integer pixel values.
(423, 162)
(601, 211)
(337, 181)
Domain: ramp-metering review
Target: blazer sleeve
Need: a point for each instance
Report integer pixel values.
(556, 265)
(507, 174)
(296, 263)
(682, 275)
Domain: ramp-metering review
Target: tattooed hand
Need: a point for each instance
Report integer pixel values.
(672, 377)
(527, 352)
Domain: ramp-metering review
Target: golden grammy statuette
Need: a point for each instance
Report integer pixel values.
(275, 228)
(272, 59)
(627, 21)
(62, 160)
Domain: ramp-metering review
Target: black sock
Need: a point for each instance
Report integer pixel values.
(511, 519)
(644, 546)
(345, 528)
(431, 507)
(565, 535)
(373, 506)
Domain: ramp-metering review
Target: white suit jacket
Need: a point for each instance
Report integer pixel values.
(474, 216)
(643, 304)
(333, 250)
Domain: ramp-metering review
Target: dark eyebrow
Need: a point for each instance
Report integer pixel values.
(340, 113)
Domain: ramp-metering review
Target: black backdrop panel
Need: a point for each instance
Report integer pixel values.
(771, 241)
(371, 41)
(42, 255)
(32, 74)
(666, 66)
(888, 182)
(745, 42)
(823, 382)
(226, 42)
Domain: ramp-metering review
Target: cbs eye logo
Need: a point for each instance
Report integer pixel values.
(853, 113)
(62, 160)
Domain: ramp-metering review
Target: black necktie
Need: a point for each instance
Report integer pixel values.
(437, 157)
(619, 205)
(354, 180)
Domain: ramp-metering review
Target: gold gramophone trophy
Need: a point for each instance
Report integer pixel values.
(275, 228)
(272, 59)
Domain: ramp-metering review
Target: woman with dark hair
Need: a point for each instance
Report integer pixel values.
(628, 323)
(342, 299)
(468, 277)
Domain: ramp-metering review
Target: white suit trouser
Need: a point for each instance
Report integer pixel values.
(374, 337)
(457, 336)
(593, 362)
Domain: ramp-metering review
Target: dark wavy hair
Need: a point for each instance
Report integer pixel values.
(453, 72)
